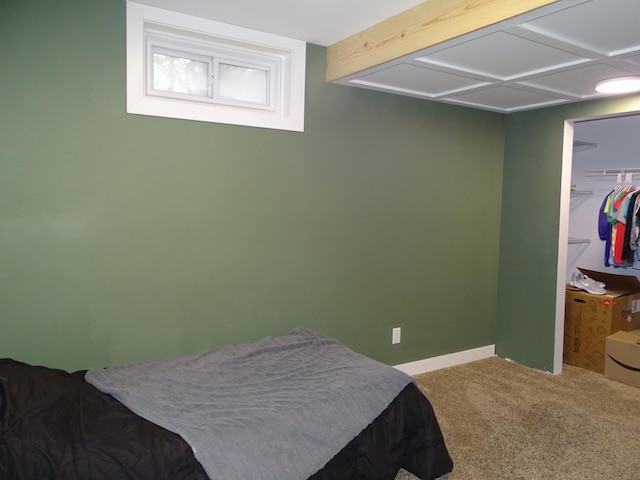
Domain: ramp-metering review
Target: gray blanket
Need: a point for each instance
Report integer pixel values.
(277, 409)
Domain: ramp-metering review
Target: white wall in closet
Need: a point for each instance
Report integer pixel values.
(617, 146)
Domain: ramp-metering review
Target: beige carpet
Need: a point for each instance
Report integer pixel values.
(503, 421)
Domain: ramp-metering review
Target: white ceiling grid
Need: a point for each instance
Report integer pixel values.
(550, 56)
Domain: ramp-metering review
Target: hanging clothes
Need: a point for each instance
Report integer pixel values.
(634, 234)
(627, 253)
(619, 225)
(604, 227)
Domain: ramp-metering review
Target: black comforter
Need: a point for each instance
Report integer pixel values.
(54, 425)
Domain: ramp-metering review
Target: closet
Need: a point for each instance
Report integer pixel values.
(606, 154)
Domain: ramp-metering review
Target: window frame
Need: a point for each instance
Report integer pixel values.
(272, 84)
(284, 58)
(152, 49)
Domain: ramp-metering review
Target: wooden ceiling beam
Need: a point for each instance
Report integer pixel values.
(420, 27)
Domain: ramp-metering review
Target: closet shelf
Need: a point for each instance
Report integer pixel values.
(581, 146)
(581, 192)
(577, 241)
(608, 172)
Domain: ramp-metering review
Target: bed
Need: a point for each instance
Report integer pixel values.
(293, 407)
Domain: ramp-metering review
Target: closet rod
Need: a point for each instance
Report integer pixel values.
(610, 171)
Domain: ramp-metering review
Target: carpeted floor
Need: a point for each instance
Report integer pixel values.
(503, 421)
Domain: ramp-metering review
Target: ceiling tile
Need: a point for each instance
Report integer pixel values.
(577, 82)
(418, 80)
(502, 56)
(505, 98)
(609, 26)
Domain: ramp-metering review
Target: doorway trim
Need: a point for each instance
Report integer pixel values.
(563, 243)
(563, 229)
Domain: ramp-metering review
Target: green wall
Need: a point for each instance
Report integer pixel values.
(530, 227)
(126, 237)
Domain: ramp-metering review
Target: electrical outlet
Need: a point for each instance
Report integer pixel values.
(395, 335)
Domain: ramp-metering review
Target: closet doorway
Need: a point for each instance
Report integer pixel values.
(595, 151)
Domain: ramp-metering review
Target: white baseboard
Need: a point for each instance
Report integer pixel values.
(444, 361)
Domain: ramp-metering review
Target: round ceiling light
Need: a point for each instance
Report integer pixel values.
(619, 85)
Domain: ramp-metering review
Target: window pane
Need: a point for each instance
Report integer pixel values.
(180, 75)
(243, 83)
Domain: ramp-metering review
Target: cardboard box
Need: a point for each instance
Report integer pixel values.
(622, 362)
(590, 319)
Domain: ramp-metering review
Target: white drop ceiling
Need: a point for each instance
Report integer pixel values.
(548, 56)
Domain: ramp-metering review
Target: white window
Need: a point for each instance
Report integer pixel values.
(187, 67)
